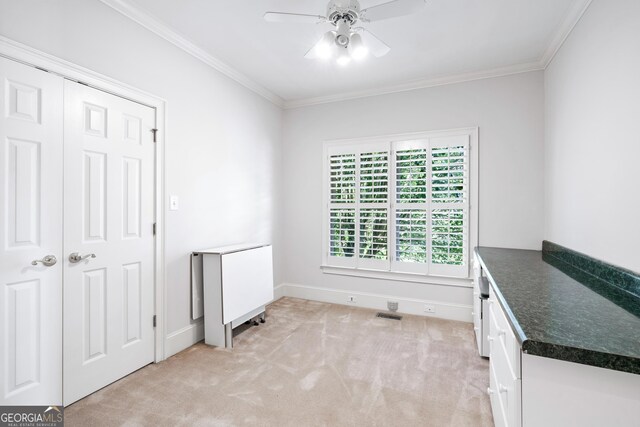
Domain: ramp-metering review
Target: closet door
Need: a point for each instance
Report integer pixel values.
(31, 108)
(109, 244)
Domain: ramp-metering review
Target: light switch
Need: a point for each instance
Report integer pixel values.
(173, 203)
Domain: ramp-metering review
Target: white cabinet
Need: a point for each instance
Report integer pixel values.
(505, 384)
(532, 391)
(480, 309)
(561, 393)
(238, 284)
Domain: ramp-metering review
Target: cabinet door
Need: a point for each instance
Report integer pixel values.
(505, 389)
(477, 318)
(247, 282)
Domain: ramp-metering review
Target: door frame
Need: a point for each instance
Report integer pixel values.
(19, 52)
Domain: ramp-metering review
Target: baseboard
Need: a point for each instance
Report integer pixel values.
(184, 338)
(189, 335)
(443, 310)
(279, 291)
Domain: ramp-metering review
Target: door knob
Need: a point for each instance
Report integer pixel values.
(76, 257)
(47, 261)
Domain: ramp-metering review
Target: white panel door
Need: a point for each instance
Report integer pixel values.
(108, 212)
(30, 229)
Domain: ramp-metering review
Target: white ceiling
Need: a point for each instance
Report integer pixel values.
(448, 40)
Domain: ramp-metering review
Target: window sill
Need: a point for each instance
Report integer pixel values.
(397, 276)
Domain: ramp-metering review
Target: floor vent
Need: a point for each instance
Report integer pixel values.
(389, 316)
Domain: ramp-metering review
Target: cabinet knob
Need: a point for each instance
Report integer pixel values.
(489, 390)
(502, 389)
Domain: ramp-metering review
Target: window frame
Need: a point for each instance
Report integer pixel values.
(390, 269)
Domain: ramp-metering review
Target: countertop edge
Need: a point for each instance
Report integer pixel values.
(519, 333)
(582, 356)
(612, 361)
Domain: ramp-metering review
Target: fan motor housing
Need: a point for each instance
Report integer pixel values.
(347, 10)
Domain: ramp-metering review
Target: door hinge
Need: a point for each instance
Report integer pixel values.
(154, 320)
(155, 133)
(154, 228)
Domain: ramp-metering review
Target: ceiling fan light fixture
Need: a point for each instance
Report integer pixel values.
(357, 49)
(342, 40)
(343, 29)
(343, 57)
(348, 41)
(325, 47)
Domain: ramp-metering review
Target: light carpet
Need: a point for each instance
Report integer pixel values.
(311, 364)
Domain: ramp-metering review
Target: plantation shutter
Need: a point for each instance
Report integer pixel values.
(401, 206)
(342, 208)
(449, 206)
(373, 206)
(411, 171)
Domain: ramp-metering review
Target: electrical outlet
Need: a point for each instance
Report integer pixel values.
(392, 305)
(429, 308)
(351, 300)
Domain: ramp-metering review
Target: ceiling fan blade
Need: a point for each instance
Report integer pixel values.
(391, 9)
(313, 52)
(293, 17)
(376, 46)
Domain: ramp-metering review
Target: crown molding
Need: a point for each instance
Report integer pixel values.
(573, 16)
(417, 84)
(156, 26)
(577, 9)
(32, 57)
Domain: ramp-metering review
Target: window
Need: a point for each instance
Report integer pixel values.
(401, 205)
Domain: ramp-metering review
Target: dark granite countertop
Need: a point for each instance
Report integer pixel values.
(566, 315)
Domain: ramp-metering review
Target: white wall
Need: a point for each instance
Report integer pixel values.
(592, 148)
(223, 141)
(509, 113)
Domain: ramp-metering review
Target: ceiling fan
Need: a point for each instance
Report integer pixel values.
(348, 41)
